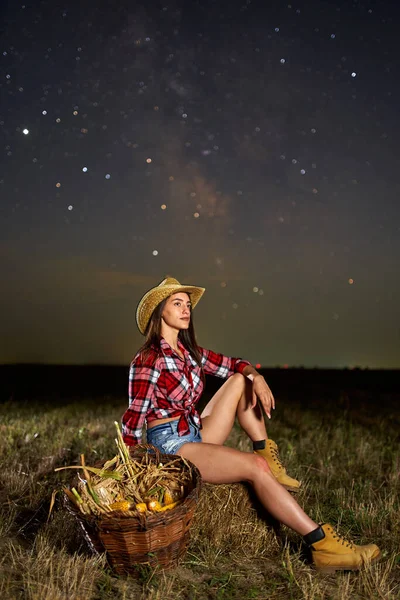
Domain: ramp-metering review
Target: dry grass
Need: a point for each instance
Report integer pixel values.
(350, 472)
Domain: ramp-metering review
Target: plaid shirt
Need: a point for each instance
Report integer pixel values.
(166, 386)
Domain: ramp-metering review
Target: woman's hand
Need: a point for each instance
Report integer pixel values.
(262, 392)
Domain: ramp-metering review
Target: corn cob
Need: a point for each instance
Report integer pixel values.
(122, 505)
(169, 506)
(154, 505)
(168, 498)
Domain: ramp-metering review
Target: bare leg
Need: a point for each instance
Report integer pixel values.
(232, 399)
(219, 464)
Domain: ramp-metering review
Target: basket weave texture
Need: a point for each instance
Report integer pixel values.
(154, 539)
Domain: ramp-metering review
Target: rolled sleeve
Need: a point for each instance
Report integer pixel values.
(220, 365)
(240, 365)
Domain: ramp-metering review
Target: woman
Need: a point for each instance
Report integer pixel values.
(165, 383)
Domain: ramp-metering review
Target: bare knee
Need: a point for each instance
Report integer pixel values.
(238, 380)
(261, 464)
(257, 467)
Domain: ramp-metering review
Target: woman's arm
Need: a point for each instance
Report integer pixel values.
(224, 366)
(220, 365)
(261, 390)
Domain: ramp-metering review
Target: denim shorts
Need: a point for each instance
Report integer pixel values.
(165, 437)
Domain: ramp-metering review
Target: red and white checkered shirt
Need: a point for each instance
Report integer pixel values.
(166, 386)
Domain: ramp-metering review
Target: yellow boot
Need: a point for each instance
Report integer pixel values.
(335, 553)
(271, 455)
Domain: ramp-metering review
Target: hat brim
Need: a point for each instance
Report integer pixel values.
(153, 297)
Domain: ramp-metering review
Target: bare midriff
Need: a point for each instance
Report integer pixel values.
(160, 422)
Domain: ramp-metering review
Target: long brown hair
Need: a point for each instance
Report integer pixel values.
(153, 335)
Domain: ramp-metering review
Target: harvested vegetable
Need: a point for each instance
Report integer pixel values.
(121, 505)
(154, 505)
(168, 497)
(169, 506)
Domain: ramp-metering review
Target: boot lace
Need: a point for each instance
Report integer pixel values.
(341, 539)
(276, 458)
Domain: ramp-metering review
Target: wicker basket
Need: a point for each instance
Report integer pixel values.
(155, 539)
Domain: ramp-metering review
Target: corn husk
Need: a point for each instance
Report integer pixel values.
(124, 483)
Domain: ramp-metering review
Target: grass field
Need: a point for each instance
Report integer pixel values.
(346, 453)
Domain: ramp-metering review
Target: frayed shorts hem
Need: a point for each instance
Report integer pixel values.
(166, 439)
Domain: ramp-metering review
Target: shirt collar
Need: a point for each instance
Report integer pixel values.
(168, 351)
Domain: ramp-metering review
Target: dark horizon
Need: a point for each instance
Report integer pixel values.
(83, 381)
(259, 367)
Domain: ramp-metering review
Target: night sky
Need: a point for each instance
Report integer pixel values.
(248, 147)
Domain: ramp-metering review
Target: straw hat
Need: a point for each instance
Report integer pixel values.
(153, 297)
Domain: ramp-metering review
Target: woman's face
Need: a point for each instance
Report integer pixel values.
(176, 313)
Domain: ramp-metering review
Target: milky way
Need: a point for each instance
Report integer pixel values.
(247, 147)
